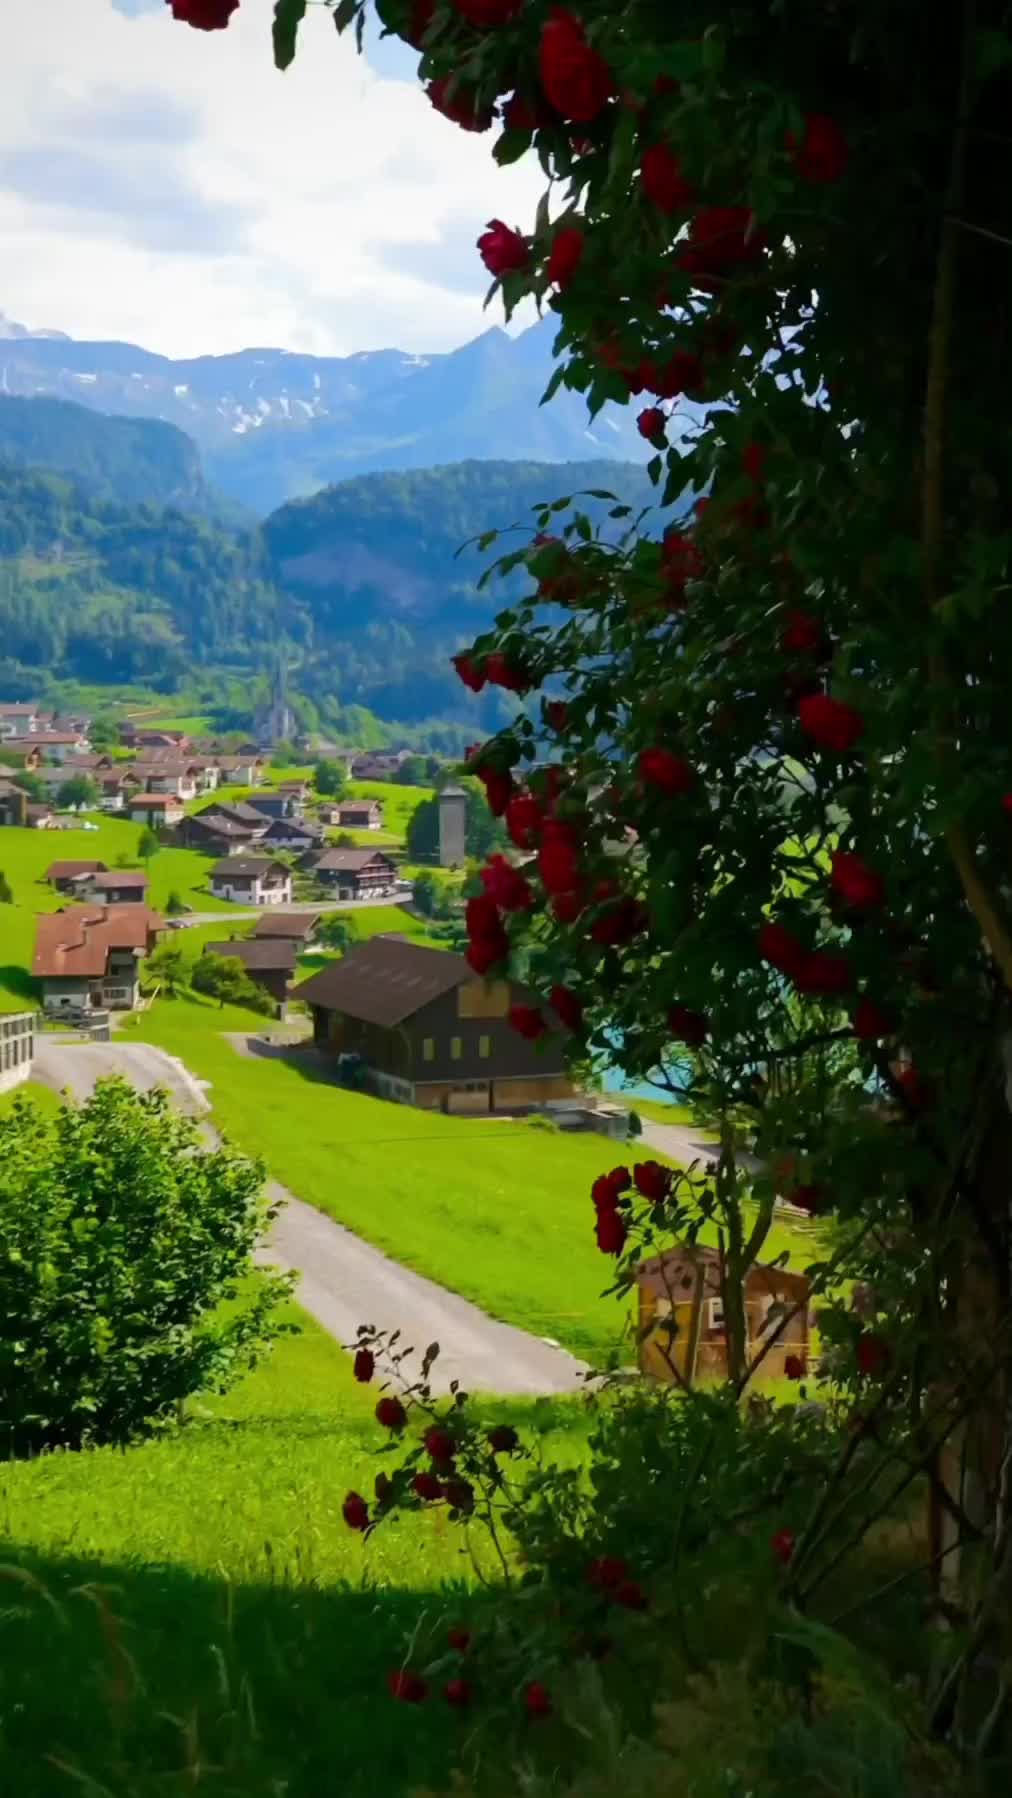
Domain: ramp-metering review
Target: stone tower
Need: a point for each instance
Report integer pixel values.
(452, 827)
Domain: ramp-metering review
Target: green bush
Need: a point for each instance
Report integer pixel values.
(122, 1242)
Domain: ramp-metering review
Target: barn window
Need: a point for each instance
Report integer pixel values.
(456, 1048)
(428, 1048)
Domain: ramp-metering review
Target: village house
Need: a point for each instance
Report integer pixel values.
(379, 765)
(682, 1333)
(133, 737)
(357, 873)
(252, 880)
(157, 810)
(299, 835)
(207, 772)
(114, 791)
(72, 877)
(59, 745)
(222, 825)
(177, 779)
(22, 718)
(298, 927)
(281, 802)
(17, 1048)
(429, 1032)
(269, 961)
(13, 804)
(241, 770)
(119, 886)
(360, 814)
(88, 958)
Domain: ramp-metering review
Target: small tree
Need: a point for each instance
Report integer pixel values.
(165, 968)
(103, 731)
(425, 894)
(78, 790)
(329, 779)
(30, 783)
(122, 1238)
(174, 904)
(6, 896)
(413, 771)
(148, 843)
(337, 932)
(345, 840)
(223, 977)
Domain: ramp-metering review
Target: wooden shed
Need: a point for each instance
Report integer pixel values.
(681, 1315)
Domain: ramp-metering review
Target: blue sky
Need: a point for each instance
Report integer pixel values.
(169, 187)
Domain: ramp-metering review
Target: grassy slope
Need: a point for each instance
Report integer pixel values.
(398, 804)
(39, 1095)
(499, 1212)
(203, 1589)
(26, 854)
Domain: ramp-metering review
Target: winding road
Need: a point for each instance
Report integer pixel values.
(344, 1282)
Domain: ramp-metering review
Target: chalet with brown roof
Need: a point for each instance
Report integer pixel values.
(180, 780)
(252, 880)
(430, 1032)
(88, 958)
(120, 886)
(298, 927)
(682, 1334)
(301, 835)
(70, 877)
(22, 718)
(223, 825)
(133, 737)
(357, 873)
(59, 745)
(360, 814)
(13, 804)
(241, 770)
(269, 961)
(158, 810)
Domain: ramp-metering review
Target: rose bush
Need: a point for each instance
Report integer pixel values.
(775, 797)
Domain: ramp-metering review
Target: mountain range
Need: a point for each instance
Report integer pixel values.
(273, 425)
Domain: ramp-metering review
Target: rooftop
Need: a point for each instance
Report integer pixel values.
(349, 861)
(128, 879)
(295, 925)
(246, 867)
(70, 870)
(385, 980)
(257, 952)
(78, 941)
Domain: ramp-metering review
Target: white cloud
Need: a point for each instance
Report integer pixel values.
(170, 188)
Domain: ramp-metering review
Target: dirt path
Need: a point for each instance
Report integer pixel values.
(344, 1281)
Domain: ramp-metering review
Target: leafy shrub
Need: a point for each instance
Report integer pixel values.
(122, 1241)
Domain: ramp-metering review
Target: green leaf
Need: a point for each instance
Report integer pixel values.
(510, 147)
(288, 16)
(553, 386)
(344, 12)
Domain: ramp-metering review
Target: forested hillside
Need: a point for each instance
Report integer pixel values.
(123, 460)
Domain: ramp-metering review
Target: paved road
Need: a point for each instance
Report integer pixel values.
(344, 1281)
(233, 913)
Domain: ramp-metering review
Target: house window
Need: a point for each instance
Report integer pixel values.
(429, 1048)
(484, 1047)
(456, 1048)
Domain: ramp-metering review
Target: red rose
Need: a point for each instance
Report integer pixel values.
(556, 714)
(605, 1194)
(506, 886)
(391, 1414)
(439, 1444)
(469, 672)
(537, 1700)
(498, 788)
(567, 907)
(503, 1439)
(365, 1365)
(204, 15)
(459, 1495)
(611, 1232)
(668, 772)
(486, 14)
(871, 1023)
(459, 103)
(823, 972)
(577, 81)
(688, 1026)
(427, 1486)
(873, 1354)
(566, 255)
(502, 250)
(527, 1021)
(608, 1572)
(820, 156)
(753, 461)
(651, 423)
(783, 1545)
(521, 113)
(559, 857)
(918, 1091)
(681, 561)
(682, 373)
(631, 1596)
(653, 1181)
(355, 1511)
(485, 952)
(802, 634)
(422, 12)
(501, 672)
(805, 1197)
(567, 1007)
(481, 919)
(829, 722)
(619, 923)
(795, 1367)
(1006, 803)
(457, 1693)
(662, 179)
(407, 1688)
(459, 1638)
(781, 948)
(858, 885)
(524, 818)
(721, 239)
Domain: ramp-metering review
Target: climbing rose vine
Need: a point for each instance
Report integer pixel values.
(757, 784)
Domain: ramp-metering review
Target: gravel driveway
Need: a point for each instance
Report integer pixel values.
(344, 1281)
